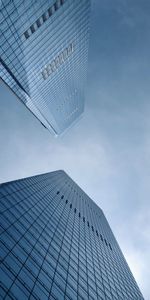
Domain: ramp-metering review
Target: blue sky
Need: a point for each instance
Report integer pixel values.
(108, 151)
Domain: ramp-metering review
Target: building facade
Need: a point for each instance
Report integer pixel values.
(44, 52)
(57, 244)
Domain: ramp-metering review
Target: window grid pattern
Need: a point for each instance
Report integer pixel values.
(59, 100)
(56, 244)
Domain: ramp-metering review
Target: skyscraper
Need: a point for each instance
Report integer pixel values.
(56, 244)
(44, 51)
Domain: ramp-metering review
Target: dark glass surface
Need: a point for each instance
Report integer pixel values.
(48, 251)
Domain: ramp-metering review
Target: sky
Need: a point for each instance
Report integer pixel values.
(108, 151)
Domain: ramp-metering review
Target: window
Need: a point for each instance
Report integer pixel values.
(110, 246)
(53, 66)
(50, 11)
(61, 59)
(105, 242)
(26, 34)
(57, 292)
(57, 62)
(49, 69)
(44, 74)
(32, 28)
(45, 17)
(53, 9)
(38, 23)
(65, 54)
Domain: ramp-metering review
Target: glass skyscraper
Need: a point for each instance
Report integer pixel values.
(57, 244)
(44, 52)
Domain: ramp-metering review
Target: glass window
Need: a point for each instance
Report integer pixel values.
(57, 292)
(19, 291)
(5, 278)
(40, 291)
(71, 293)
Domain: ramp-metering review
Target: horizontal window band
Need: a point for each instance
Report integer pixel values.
(57, 62)
(43, 18)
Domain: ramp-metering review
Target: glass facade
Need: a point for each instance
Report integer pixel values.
(56, 244)
(44, 52)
